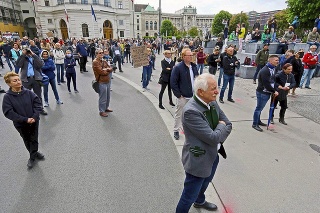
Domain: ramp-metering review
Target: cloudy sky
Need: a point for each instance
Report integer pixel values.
(214, 6)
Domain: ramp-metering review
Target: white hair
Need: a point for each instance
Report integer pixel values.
(201, 82)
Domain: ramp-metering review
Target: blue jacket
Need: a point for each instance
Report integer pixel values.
(35, 49)
(180, 80)
(48, 68)
(69, 64)
(82, 50)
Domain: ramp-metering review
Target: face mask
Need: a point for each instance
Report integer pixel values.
(68, 55)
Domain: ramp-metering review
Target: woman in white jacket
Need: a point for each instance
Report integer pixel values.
(59, 56)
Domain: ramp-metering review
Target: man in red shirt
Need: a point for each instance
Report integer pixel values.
(201, 57)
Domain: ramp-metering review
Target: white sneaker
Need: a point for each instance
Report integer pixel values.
(59, 102)
(46, 104)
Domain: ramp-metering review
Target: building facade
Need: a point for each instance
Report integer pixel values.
(73, 18)
(11, 20)
(147, 20)
(262, 17)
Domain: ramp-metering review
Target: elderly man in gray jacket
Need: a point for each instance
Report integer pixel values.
(206, 127)
(30, 73)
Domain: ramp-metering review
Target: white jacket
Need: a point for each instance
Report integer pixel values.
(58, 56)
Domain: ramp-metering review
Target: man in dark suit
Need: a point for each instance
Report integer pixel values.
(182, 79)
(206, 127)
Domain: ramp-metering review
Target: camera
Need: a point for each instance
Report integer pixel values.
(28, 51)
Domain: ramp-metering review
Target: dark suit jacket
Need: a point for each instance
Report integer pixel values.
(165, 74)
(201, 137)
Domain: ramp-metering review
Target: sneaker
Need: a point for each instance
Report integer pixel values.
(143, 89)
(221, 101)
(76, 91)
(59, 102)
(254, 82)
(59, 83)
(69, 91)
(307, 87)
(43, 112)
(30, 163)
(46, 104)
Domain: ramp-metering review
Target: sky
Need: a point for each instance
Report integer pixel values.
(214, 6)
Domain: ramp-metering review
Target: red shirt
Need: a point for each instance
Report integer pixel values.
(307, 59)
(201, 57)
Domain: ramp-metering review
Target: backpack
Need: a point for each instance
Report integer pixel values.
(247, 61)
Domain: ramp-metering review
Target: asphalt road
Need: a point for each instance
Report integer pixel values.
(123, 163)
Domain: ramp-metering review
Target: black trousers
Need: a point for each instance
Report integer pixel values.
(83, 62)
(29, 134)
(34, 85)
(163, 87)
(72, 76)
(283, 105)
(117, 58)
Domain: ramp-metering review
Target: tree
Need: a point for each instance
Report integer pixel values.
(167, 28)
(282, 21)
(236, 20)
(193, 32)
(217, 26)
(305, 10)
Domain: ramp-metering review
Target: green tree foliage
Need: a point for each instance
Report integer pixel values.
(282, 21)
(167, 28)
(236, 20)
(306, 10)
(217, 26)
(193, 32)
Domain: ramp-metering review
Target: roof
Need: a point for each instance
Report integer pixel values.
(149, 9)
(139, 7)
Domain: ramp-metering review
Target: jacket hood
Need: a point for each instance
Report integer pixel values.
(43, 52)
(23, 90)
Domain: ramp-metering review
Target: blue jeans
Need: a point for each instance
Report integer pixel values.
(52, 82)
(262, 100)
(104, 96)
(16, 69)
(146, 75)
(8, 62)
(194, 189)
(201, 66)
(227, 79)
(60, 72)
(220, 76)
(259, 67)
(307, 73)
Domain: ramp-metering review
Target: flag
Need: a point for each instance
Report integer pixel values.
(66, 13)
(93, 15)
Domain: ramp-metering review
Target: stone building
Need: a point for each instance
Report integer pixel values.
(263, 17)
(11, 21)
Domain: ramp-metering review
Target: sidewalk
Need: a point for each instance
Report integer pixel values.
(272, 171)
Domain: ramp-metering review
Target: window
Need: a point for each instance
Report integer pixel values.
(49, 21)
(60, 2)
(121, 34)
(151, 25)
(25, 11)
(155, 26)
(137, 16)
(95, 2)
(120, 6)
(120, 22)
(46, 3)
(72, 1)
(84, 1)
(107, 3)
(137, 21)
(138, 28)
(85, 30)
(147, 25)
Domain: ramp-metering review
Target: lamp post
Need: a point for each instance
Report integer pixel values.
(159, 17)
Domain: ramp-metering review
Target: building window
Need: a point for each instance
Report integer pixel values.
(85, 30)
(107, 3)
(25, 11)
(46, 3)
(72, 1)
(137, 21)
(120, 5)
(60, 2)
(49, 21)
(147, 25)
(138, 28)
(95, 2)
(23, 0)
(155, 26)
(151, 25)
(120, 22)
(121, 34)
(84, 1)
(137, 16)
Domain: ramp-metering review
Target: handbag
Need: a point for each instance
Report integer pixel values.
(95, 85)
(45, 80)
(160, 80)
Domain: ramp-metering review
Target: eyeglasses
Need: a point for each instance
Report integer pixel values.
(100, 53)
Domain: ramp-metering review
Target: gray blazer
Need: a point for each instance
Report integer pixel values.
(23, 62)
(200, 147)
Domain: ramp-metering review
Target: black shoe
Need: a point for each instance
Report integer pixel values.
(271, 121)
(172, 104)
(121, 71)
(30, 163)
(208, 206)
(85, 71)
(221, 101)
(161, 107)
(176, 135)
(43, 112)
(39, 156)
(257, 128)
(231, 100)
(282, 121)
(262, 124)
(254, 82)
(308, 87)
